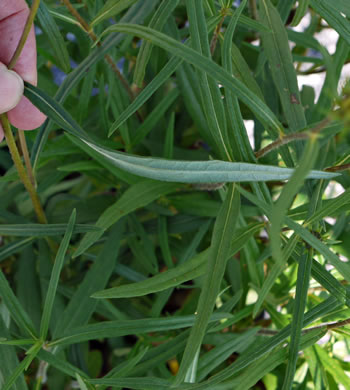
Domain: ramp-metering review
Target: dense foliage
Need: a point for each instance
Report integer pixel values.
(175, 254)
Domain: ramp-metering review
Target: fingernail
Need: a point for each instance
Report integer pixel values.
(11, 89)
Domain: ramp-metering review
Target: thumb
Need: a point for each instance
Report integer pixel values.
(11, 89)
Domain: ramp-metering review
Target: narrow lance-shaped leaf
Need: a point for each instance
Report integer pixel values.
(137, 196)
(157, 22)
(247, 358)
(14, 247)
(110, 9)
(212, 171)
(38, 230)
(129, 327)
(81, 306)
(212, 104)
(289, 191)
(157, 81)
(281, 64)
(303, 278)
(203, 63)
(137, 13)
(300, 12)
(275, 271)
(306, 235)
(188, 270)
(54, 36)
(51, 292)
(266, 364)
(31, 354)
(9, 360)
(333, 17)
(17, 312)
(241, 148)
(219, 250)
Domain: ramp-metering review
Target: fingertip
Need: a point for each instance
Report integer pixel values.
(26, 116)
(11, 89)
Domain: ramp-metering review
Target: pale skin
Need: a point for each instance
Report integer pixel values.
(21, 113)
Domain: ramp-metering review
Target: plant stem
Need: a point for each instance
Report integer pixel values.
(292, 137)
(25, 153)
(11, 65)
(327, 325)
(338, 168)
(21, 170)
(215, 35)
(26, 31)
(281, 141)
(88, 29)
(253, 9)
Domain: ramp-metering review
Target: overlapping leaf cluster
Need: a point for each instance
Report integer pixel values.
(189, 259)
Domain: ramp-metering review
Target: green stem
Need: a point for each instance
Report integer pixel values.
(25, 176)
(21, 170)
(26, 31)
(25, 153)
(11, 65)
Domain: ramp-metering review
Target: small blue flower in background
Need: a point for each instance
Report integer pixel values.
(59, 75)
(71, 37)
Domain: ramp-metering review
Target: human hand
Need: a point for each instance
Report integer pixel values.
(21, 113)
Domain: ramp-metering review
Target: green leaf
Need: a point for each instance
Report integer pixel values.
(277, 268)
(14, 247)
(81, 382)
(176, 171)
(38, 230)
(51, 292)
(188, 270)
(148, 383)
(261, 350)
(342, 6)
(251, 23)
(333, 17)
(61, 364)
(212, 359)
(157, 81)
(31, 354)
(153, 118)
(137, 196)
(81, 306)
(219, 251)
(329, 208)
(287, 195)
(303, 278)
(212, 104)
(111, 9)
(235, 64)
(305, 234)
(136, 14)
(212, 69)
(9, 361)
(282, 69)
(333, 366)
(169, 138)
(109, 329)
(301, 10)
(54, 36)
(267, 364)
(18, 314)
(157, 22)
(80, 166)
